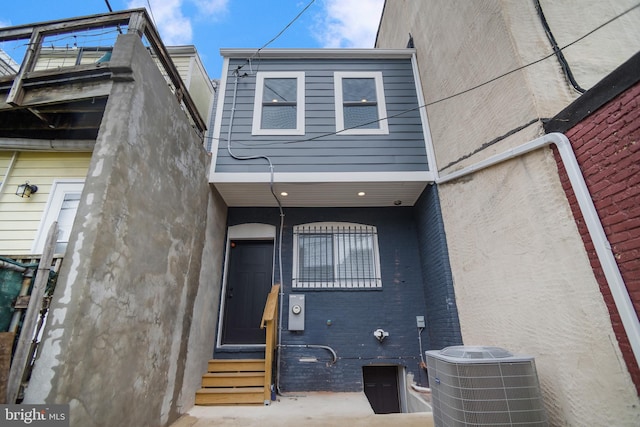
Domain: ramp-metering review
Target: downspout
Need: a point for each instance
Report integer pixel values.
(594, 226)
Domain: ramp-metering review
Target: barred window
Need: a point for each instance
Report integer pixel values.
(336, 256)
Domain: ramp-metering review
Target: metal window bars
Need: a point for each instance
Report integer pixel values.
(336, 256)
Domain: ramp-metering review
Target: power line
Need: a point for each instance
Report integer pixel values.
(153, 18)
(286, 27)
(277, 36)
(428, 104)
(534, 62)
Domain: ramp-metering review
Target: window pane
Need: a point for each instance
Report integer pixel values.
(278, 116)
(359, 90)
(360, 114)
(279, 104)
(359, 103)
(65, 220)
(279, 90)
(355, 256)
(336, 256)
(315, 258)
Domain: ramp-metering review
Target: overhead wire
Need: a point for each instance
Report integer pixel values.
(446, 98)
(277, 36)
(153, 18)
(564, 64)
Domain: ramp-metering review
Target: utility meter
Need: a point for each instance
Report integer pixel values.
(296, 312)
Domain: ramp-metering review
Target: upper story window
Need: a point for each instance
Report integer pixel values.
(335, 256)
(279, 104)
(360, 105)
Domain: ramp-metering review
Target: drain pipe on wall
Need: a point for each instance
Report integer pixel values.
(594, 226)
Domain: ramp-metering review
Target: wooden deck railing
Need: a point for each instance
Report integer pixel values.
(269, 322)
(66, 32)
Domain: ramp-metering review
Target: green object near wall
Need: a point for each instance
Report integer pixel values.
(10, 284)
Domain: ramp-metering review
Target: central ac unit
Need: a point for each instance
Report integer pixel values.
(484, 386)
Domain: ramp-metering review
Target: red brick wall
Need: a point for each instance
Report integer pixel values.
(607, 146)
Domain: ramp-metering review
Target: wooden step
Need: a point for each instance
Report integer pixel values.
(233, 379)
(230, 396)
(236, 365)
(233, 382)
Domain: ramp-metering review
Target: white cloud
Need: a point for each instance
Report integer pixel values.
(348, 23)
(4, 23)
(211, 7)
(175, 28)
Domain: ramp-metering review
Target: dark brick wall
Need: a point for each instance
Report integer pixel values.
(442, 314)
(354, 315)
(607, 146)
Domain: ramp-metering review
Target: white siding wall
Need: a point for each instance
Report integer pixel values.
(20, 218)
(195, 79)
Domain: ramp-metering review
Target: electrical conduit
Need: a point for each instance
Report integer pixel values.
(271, 182)
(594, 226)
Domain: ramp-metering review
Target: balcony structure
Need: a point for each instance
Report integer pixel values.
(55, 77)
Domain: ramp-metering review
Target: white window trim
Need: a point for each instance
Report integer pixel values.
(59, 189)
(382, 107)
(300, 107)
(375, 284)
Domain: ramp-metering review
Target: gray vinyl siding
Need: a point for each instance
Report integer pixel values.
(319, 149)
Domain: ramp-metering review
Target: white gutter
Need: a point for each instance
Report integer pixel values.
(594, 226)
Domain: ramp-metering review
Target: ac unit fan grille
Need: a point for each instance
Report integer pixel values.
(487, 393)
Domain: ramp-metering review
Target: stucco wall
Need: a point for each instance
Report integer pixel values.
(523, 282)
(521, 275)
(205, 310)
(116, 344)
(462, 44)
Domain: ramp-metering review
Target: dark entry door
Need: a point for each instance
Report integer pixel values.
(248, 284)
(381, 388)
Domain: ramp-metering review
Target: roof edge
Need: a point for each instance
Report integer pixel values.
(317, 53)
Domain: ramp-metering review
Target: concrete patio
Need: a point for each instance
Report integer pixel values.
(308, 409)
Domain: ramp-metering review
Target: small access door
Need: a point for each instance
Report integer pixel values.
(249, 279)
(381, 388)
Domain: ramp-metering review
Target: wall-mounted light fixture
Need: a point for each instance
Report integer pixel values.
(26, 189)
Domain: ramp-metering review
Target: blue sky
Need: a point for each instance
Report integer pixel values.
(214, 24)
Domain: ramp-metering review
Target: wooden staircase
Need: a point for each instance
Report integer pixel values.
(244, 381)
(233, 382)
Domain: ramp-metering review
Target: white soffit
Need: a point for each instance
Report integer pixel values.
(322, 194)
